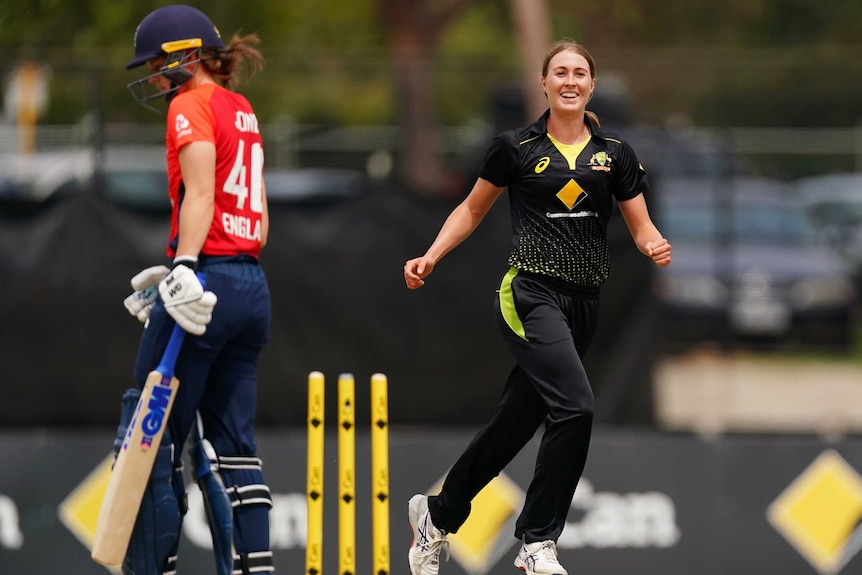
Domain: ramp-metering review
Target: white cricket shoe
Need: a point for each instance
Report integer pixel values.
(539, 558)
(428, 541)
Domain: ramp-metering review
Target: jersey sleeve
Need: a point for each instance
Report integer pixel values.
(500, 160)
(190, 119)
(631, 178)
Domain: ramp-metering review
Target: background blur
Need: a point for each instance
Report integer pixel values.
(375, 116)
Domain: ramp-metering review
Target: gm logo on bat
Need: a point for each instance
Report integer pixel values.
(155, 418)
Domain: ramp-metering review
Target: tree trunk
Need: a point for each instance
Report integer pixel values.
(532, 22)
(414, 68)
(414, 30)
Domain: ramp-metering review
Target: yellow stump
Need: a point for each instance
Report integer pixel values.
(380, 473)
(314, 474)
(346, 475)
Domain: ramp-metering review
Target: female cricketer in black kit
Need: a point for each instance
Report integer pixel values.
(563, 173)
(219, 225)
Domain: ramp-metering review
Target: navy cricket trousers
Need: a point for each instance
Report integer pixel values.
(218, 370)
(548, 328)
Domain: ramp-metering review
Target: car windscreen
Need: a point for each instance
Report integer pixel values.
(760, 224)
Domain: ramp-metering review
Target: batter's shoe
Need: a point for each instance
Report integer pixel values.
(428, 541)
(539, 558)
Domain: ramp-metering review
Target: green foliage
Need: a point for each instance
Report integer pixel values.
(707, 22)
(477, 58)
(763, 62)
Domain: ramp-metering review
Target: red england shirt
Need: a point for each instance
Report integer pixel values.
(214, 114)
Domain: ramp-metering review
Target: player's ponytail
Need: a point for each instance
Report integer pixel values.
(224, 63)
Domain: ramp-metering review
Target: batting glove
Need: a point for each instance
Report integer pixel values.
(145, 283)
(185, 299)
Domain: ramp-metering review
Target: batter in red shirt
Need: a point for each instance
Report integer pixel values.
(219, 223)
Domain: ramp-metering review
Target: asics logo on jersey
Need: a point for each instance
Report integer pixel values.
(543, 163)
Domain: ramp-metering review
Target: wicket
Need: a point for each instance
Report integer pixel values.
(346, 474)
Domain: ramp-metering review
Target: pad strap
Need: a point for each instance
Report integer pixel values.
(249, 495)
(246, 494)
(225, 462)
(249, 563)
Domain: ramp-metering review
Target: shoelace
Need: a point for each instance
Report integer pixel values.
(547, 552)
(429, 552)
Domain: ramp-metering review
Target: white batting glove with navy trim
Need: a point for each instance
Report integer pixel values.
(186, 300)
(145, 283)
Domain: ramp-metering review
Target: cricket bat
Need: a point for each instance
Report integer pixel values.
(135, 459)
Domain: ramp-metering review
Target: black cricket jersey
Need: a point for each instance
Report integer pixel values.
(561, 198)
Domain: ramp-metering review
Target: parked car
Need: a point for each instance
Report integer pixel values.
(143, 185)
(313, 186)
(833, 203)
(746, 266)
(679, 154)
(131, 176)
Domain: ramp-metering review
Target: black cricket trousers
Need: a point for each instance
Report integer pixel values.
(548, 327)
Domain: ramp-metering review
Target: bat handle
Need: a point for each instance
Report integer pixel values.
(169, 358)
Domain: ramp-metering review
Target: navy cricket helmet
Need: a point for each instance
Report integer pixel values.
(164, 31)
(177, 32)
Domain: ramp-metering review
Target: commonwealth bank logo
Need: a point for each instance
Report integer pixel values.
(488, 533)
(571, 194)
(79, 512)
(820, 513)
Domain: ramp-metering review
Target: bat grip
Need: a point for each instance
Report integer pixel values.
(169, 357)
